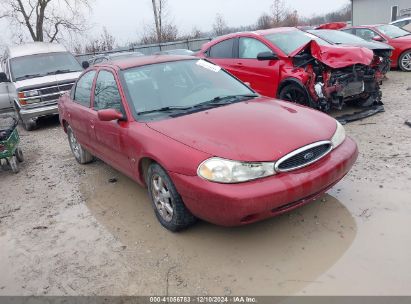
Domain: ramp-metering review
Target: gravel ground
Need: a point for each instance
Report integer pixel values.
(66, 230)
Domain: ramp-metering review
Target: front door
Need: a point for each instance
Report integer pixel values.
(261, 75)
(110, 136)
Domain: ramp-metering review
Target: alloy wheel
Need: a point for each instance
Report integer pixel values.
(75, 146)
(406, 61)
(162, 198)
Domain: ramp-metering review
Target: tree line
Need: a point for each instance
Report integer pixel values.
(61, 20)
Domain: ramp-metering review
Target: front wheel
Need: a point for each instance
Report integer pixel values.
(29, 125)
(295, 93)
(81, 155)
(405, 61)
(167, 202)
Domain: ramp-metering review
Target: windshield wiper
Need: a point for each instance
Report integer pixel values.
(61, 72)
(28, 76)
(164, 109)
(221, 100)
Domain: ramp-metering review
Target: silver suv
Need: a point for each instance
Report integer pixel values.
(34, 76)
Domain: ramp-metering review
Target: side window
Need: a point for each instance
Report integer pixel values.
(366, 34)
(249, 48)
(83, 89)
(106, 94)
(223, 49)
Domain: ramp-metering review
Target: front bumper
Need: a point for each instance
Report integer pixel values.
(239, 204)
(38, 111)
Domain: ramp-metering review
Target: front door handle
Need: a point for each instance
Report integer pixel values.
(92, 124)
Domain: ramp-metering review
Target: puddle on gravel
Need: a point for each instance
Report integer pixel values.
(280, 255)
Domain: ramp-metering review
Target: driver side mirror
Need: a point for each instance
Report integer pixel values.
(3, 77)
(378, 38)
(267, 56)
(109, 115)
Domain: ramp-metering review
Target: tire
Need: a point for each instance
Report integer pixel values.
(19, 155)
(14, 164)
(167, 202)
(4, 164)
(80, 154)
(29, 125)
(405, 61)
(295, 93)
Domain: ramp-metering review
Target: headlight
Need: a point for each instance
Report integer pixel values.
(32, 93)
(339, 136)
(227, 171)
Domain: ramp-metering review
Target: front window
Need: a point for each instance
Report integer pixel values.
(392, 31)
(181, 86)
(290, 41)
(249, 48)
(43, 65)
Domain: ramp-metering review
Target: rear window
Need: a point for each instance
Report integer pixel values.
(290, 41)
(223, 49)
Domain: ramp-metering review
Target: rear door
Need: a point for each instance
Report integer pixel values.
(260, 74)
(79, 113)
(223, 55)
(110, 136)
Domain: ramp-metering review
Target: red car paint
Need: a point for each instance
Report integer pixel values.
(400, 45)
(268, 77)
(262, 129)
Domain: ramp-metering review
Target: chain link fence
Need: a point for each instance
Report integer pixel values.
(149, 49)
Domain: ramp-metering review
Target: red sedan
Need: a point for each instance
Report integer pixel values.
(204, 144)
(398, 38)
(297, 66)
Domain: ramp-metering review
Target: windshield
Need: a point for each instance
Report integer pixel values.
(289, 41)
(337, 37)
(392, 31)
(42, 65)
(179, 85)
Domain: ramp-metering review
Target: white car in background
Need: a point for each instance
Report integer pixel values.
(34, 76)
(404, 23)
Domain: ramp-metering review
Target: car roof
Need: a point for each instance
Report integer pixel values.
(402, 19)
(132, 62)
(34, 48)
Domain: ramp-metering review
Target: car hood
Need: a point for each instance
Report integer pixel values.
(373, 45)
(337, 56)
(46, 81)
(259, 130)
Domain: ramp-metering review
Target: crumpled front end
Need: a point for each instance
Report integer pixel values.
(336, 76)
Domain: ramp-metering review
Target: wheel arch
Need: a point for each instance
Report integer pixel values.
(291, 80)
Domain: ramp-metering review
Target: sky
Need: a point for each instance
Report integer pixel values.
(126, 19)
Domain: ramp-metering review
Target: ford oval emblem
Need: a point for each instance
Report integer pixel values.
(308, 155)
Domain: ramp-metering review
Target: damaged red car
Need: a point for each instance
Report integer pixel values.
(297, 66)
(205, 144)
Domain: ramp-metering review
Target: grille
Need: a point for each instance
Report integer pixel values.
(56, 89)
(303, 157)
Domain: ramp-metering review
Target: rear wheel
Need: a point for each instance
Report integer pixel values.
(405, 61)
(81, 155)
(14, 164)
(167, 202)
(295, 93)
(19, 155)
